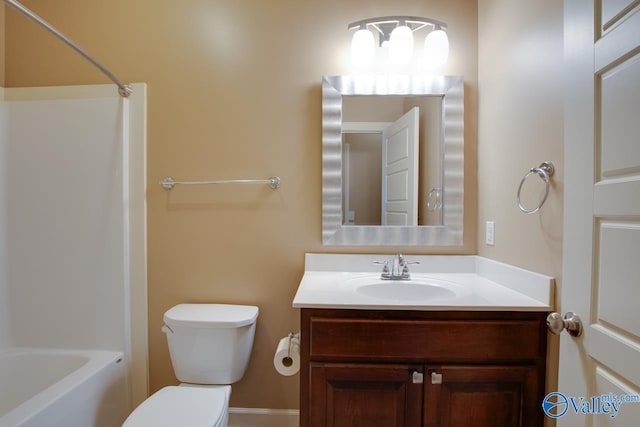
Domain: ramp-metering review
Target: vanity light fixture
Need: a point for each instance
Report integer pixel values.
(396, 33)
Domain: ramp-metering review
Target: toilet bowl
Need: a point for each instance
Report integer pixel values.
(183, 405)
(210, 345)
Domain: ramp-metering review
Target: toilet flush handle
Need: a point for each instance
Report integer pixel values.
(166, 329)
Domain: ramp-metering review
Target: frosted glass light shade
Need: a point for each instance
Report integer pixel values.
(401, 45)
(436, 48)
(362, 47)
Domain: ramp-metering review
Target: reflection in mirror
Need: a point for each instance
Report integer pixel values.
(392, 160)
(374, 190)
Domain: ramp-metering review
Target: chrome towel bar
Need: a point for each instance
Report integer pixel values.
(168, 183)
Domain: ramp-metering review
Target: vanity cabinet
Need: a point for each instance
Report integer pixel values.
(421, 368)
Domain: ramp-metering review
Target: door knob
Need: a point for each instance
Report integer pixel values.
(571, 322)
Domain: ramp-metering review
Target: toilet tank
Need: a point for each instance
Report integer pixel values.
(210, 343)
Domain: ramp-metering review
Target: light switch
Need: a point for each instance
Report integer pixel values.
(490, 233)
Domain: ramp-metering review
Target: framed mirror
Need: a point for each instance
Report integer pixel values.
(392, 160)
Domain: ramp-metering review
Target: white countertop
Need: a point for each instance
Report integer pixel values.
(328, 282)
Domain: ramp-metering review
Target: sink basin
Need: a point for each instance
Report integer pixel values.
(408, 290)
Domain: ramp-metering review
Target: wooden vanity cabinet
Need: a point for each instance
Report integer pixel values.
(418, 368)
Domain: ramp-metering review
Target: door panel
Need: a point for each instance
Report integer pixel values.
(615, 351)
(619, 94)
(602, 207)
(621, 40)
(397, 199)
(616, 301)
(362, 395)
(606, 383)
(612, 10)
(481, 396)
(612, 197)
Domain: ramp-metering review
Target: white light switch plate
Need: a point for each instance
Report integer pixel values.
(490, 233)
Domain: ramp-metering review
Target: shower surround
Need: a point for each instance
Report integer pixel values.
(72, 224)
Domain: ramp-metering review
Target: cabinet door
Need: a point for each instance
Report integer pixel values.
(365, 395)
(482, 396)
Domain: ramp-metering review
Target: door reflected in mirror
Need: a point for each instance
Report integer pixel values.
(392, 160)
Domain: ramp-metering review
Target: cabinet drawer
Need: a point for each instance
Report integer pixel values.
(424, 340)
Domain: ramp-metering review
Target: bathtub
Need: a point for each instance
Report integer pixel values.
(62, 388)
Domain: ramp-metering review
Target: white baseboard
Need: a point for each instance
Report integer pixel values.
(262, 417)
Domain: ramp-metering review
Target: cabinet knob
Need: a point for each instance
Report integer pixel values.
(417, 377)
(436, 378)
(571, 322)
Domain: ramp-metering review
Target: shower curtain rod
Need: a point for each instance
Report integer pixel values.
(123, 89)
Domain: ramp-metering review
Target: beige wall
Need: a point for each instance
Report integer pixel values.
(2, 6)
(233, 92)
(521, 125)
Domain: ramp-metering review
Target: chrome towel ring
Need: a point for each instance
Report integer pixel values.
(434, 199)
(544, 171)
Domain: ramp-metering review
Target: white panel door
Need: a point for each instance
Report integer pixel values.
(400, 171)
(601, 265)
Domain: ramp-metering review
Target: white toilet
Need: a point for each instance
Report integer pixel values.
(210, 345)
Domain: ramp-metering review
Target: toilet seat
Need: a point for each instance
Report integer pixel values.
(185, 406)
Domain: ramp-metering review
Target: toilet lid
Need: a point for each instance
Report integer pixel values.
(182, 406)
(211, 315)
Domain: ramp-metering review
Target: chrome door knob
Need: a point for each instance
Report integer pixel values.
(571, 322)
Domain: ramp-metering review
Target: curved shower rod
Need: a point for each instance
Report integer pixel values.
(123, 89)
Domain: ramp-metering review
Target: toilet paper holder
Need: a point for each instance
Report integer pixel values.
(288, 361)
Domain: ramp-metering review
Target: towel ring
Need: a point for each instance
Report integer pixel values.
(434, 199)
(544, 171)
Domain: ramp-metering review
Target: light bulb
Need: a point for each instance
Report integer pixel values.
(401, 45)
(436, 48)
(362, 47)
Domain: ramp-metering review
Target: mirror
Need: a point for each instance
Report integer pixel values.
(392, 152)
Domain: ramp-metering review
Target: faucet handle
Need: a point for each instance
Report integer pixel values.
(402, 260)
(404, 264)
(384, 264)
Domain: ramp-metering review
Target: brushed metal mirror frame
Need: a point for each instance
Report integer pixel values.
(451, 88)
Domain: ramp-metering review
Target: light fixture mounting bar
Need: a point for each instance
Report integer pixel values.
(413, 22)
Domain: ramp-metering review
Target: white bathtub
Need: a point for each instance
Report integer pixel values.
(62, 388)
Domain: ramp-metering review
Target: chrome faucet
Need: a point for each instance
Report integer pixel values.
(399, 269)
